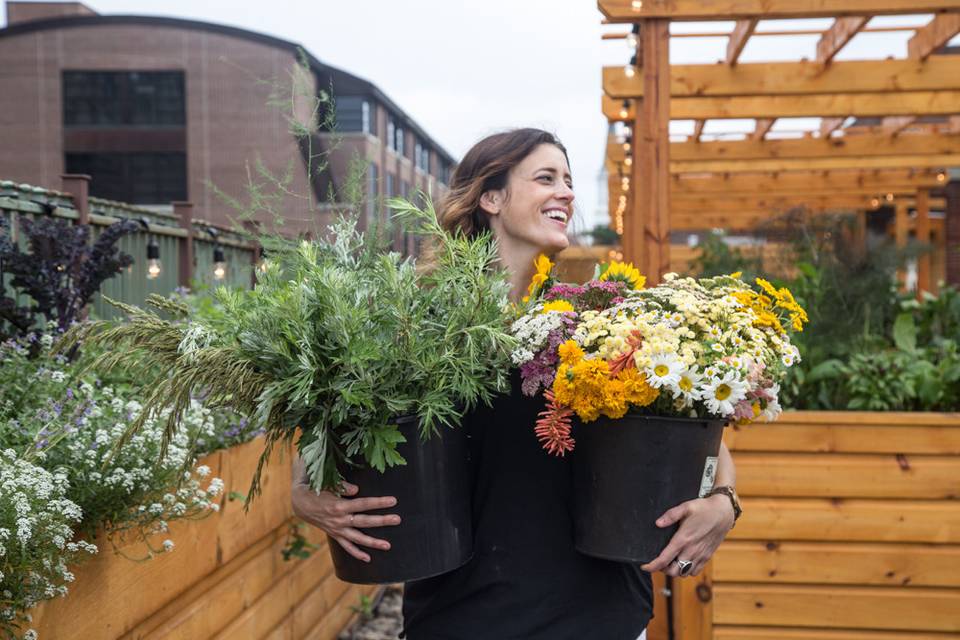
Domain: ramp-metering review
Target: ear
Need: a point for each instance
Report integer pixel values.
(491, 201)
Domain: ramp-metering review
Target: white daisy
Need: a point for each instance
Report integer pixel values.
(773, 408)
(787, 359)
(721, 395)
(687, 388)
(664, 370)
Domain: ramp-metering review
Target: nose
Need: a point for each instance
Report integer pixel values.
(566, 192)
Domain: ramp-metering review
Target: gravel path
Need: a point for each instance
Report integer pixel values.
(386, 622)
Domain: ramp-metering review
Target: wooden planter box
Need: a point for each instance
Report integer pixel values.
(851, 530)
(226, 577)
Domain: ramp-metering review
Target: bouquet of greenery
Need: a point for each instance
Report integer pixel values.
(713, 347)
(337, 339)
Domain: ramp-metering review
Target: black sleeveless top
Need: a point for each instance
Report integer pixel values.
(525, 579)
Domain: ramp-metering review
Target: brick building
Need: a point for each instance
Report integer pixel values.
(156, 110)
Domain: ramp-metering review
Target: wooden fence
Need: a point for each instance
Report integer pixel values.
(186, 244)
(851, 530)
(225, 578)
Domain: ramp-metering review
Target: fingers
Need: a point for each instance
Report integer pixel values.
(363, 539)
(348, 489)
(363, 521)
(356, 505)
(352, 549)
(662, 562)
(674, 515)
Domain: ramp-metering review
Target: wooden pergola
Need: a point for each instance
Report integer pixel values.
(898, 152)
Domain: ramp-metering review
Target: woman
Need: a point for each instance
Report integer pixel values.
(525, 580)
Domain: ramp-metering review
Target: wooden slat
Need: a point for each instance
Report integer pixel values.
(698, 129)
(892, 126)
(706, 10)
(659, 627)
(891, 77)
(837, 563)
(692, 608)
(838, 35)
(804, 182)
(813, 164)
(731, 632)
(934, 35)
(868, 145)
(850, 607)
(739, 37)
(918, 103)
(892, 438)
(885, 418)
(848, 520)
(836, 475)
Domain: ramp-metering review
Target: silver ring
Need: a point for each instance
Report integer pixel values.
(686, 566)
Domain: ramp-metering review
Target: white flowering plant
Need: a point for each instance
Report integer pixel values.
(36, 539)
(714, 347)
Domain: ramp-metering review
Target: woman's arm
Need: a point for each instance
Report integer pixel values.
(341, 517)
(704, 523)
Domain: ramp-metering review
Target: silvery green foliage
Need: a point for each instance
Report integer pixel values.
(36, 540)
(337, 339)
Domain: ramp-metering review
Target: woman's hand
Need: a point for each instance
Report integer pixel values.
(341, 517)
(704, 523)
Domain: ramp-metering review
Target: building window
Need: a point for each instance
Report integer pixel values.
(137, 178)
(390, 186)
(123, 98)
(372, 192)
(391, 135)
(353, 114)
(400, 141)
(421, 155)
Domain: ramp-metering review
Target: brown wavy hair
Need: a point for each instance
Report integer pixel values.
(486, 167)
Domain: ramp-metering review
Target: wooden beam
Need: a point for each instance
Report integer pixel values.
(893, 125)
(813, 164)
(941, 72)
(762, 128)
(934, 35)
(838, 35)
(916, 103)
(829, 125)
(738, 39)
(649, 223)
(923, 236)
(804, 182)
(901, 233)
(854, 146)
(709, 10)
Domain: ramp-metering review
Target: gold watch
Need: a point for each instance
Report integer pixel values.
(731, 493)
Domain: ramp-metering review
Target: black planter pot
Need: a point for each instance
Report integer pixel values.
(433, 501)
(627, 472)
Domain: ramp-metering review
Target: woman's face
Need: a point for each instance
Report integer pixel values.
(537, 205)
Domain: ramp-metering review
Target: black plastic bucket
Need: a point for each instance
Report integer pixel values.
(627, 472)
(433, 501)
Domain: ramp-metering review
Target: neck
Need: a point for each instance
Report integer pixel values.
(517, 259)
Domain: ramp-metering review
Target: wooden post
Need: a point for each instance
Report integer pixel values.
(78, 186)
(923, 236)
(693, 607)
(901, 234)
(860, 234)
(650, 186)
(184, 211)
(952, 232)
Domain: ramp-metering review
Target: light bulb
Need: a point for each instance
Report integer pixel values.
(632, 41)
(624, 113)
(628, 161)
(637, 5)
(889, 197)
(875, 203)
(626, 147)
(219, 270)
(942, 176)
(630, 71)
(153, 269)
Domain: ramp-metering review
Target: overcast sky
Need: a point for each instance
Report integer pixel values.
(466, 68)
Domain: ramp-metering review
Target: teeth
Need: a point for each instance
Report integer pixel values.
(556, 214)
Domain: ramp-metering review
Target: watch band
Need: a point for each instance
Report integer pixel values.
(731, 493)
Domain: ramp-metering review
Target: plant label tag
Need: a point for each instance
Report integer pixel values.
(709, 475)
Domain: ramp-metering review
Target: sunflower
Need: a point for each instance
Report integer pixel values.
(624, 272)
(557, 305)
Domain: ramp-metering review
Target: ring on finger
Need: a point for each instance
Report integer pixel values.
(686, 566)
